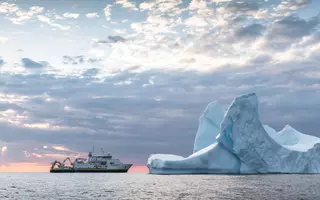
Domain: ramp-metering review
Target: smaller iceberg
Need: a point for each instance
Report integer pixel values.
(237, 143)
(292, 139)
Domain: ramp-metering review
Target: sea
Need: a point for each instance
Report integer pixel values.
(46, 186)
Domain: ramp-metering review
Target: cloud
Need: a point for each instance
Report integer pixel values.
(4, 149)
(293, 27)
(91, 72)
(261, 59)
(251, 31)
(60, 148)
(51, 17)
(284, 32)
(240, 6)
(111, 39)
(116, 38)
(71, 15)
(73, 60)
(92, 15)
(21, 16)
(36, 9)
(6, 7)
(129, 105)
(127, 4)
(107, 12)
(44, 18)
(76, 60)
(94, 60)
(3, 39)
(30, 64)
(292, 4)
(61, 27)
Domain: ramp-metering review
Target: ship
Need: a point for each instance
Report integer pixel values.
(95, 163)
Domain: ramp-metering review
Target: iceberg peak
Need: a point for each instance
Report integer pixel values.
(288, 127)
(209, 126)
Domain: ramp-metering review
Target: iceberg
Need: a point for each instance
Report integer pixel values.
(242, 145)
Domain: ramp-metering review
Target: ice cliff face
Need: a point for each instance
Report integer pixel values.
(242, 146)
(209, 126)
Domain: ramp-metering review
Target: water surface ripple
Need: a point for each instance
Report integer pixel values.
(144, 186)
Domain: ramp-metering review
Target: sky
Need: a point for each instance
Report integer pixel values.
(133, 77)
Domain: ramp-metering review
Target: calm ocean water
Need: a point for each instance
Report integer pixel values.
(144, 186)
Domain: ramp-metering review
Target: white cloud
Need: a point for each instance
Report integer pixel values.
(51, 23)
(12, 117)
(214, 37)
(3, 39)
(61, 27)
(60, 148)
(47, 126)
(21, 16)
(292, 4)
(36, 9)
(58, 17)
(107, 12)
(162, 7)
(127, 4)
(196, 21)
(71, 15)
(44, 18)
(8, 8)
(92, 15)
(4, 149)
(146, 5)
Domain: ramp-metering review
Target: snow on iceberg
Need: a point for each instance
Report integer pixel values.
(242, 146)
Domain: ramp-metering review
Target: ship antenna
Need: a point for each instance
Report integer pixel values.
(93, 149)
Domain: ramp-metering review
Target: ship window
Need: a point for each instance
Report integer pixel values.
(103, 163)
(111, 163)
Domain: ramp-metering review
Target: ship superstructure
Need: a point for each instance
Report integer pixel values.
(103, 163)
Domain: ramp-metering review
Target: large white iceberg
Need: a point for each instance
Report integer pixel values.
(242, 145)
